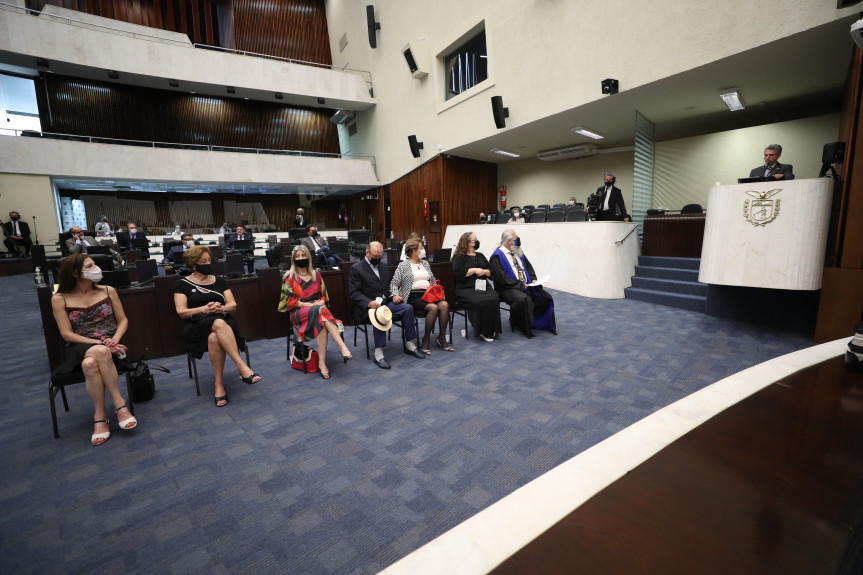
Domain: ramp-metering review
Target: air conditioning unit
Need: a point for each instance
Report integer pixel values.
(342, 116)
(570, 153)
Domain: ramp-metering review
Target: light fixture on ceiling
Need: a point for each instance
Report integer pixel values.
(588, 132)
(503, 152)
(731, 99)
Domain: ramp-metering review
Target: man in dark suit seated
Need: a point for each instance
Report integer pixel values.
(531, 307)
(369, 286)
(243, 236)
(319, 249)
(188, 241)
(132, 233)
(17, 234)
(772, 168)
(79, 243)
(609, 202)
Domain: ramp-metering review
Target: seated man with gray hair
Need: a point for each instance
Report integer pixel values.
(772, 168)
(530, 307)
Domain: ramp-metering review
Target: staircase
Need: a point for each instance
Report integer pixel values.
(668, 281)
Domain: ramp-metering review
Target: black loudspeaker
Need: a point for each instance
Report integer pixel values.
(409, 58)
(373, 26)
(500, 113)
(834, 153)
(610, 86)
(415, 146)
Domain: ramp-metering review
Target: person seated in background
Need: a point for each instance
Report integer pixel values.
(413, 236)
(304, 295)
(300, 218)
(516, 217)
(531, 307)
(772, 168)
(103, 228)
(206, 303)
(241, 234)
(410, 281)
(79, 243)
(132, 233)
(368, 284)
(188, 242)
(320, 249)
(471, 272)
(17, 234)
(572, 201)
(482, 219)
(284, 263)
(91, 321)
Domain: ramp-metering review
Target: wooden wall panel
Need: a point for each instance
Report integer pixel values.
(100, 109)
(295, 29)
(406, 199)
(470, 187)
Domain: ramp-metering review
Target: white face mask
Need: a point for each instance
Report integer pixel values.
(94, 275)
(132, 231)
(190, 243)
(422, 254)
(515, 214)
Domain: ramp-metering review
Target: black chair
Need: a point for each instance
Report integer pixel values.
(147, 270)
(64, 251)
(494, 216)
(167, 245)
(442, 255)
(234, 264)
(561, 206)
(545, 207)
(133, 256)
(462, 309)
(556, 216)
(216, 252)
(359, 239)
(364, 327)
(106, 263)
(116, 279)
(142, 244)
(193, 366)
(272, 258)
(529, 208)
(538, 216)
(102, 250)
(576, 215)
(58, 382)
(692, 209)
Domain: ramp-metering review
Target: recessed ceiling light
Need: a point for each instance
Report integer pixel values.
(731, 99)
(503, 152)
(588, 132)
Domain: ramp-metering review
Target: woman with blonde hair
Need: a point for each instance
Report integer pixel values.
(92, 322)
(304, 296)
(206, 303)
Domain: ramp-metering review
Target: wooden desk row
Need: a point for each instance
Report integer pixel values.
(154, 323)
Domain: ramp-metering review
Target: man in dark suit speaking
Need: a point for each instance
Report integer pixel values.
(17, 233)
(772, 168)
(369, 284)
(610, 206)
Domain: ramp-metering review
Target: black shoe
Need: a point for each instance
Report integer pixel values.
(382, 363)
(416, 353)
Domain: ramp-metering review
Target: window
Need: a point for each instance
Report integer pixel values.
(466, 66)
(18, 109)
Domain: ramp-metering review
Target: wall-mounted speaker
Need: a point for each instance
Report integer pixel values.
(500, 113)
(834, 153)
(415, 146)
(373, 26)
(415, 56)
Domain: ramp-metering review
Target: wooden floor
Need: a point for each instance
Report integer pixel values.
(773, 484)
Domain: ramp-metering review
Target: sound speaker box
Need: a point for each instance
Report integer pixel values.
(415, 146)
(834, 153)
(500, 113)
(373, 26)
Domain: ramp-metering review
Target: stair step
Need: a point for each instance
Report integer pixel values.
(672, 286)
(680, 301)
(667, 273)
(666, 262)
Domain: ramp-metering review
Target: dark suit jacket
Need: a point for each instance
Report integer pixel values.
(307, 241)
(22, 227)
(124, 240)
(364, 286)
(234, 237)
(616, 205)
(784, 169)
(301, 222)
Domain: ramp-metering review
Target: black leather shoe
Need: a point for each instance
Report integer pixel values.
(382, 363)
(416, 353)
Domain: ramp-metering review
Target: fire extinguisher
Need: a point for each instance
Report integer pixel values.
(502, 190)
(425, 208)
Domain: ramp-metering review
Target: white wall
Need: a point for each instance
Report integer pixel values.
(544, 55)
(31, 196)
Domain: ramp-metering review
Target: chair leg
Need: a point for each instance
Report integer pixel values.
(51, 394)
(189, 362)
(63, 395)
(130, 403)
(194, 365)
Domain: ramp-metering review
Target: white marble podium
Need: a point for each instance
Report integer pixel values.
(583, 258)
(767, 234)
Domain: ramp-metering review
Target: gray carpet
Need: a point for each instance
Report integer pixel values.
(302, 475)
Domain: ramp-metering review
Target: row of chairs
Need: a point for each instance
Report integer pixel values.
(542, 214)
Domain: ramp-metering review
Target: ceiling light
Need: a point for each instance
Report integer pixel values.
(503, 152)
(731, 99)
(588, 132)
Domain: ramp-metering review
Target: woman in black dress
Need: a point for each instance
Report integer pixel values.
(205, 302)
(471, 272)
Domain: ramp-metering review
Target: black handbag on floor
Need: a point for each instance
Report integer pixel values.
(143, 382)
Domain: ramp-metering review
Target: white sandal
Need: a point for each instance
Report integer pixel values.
(104, 435)
(128, 423)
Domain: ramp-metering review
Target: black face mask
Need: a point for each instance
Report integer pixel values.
(15, 218)
(374, 261)
(302, 264)
(476, 245)
(518, 242)
(206, 269)
(315, 234)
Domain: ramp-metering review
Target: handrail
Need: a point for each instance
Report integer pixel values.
(180, 145)
(631, 229)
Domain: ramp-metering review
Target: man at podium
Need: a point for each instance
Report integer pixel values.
(772, 168)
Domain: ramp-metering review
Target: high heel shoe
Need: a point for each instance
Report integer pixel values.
(424, 345)
(347, 357)
(224, 398)
(103, 436)
(325, 375)
(251, 379)
(444, 346)
(128, 423)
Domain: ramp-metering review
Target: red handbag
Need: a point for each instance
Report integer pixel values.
(434, 293)
(311, 358)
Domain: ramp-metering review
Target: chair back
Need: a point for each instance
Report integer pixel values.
(116, 279)
(168, 244)
(216, 252)
(442, 255)
(556, 216)
(538, 216)
(103, 261)
(561, 206)
(576, 215)
(147, 270)
(234, 264)
(692, 209)
(104, 250)
(545, 207)
(272, 258)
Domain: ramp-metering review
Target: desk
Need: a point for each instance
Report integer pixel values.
(674, 236)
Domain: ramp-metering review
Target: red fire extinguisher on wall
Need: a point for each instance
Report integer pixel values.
(425, 208)
(502, 190)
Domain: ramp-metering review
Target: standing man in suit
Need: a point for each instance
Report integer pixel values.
(369, 286)
(300, 218)
(772, 168)
(610, 206)
(133, 233)
(242, 235)
(319, 248)
(17, 233)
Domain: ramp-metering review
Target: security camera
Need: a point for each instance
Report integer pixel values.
(857, 32)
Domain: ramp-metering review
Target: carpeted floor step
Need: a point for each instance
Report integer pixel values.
(681, 301)
(673, 286)
(666, 262)
(666, 273)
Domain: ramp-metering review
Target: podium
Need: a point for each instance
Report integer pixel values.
(767, 234)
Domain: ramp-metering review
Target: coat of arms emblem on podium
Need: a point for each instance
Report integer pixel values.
(762, 210)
